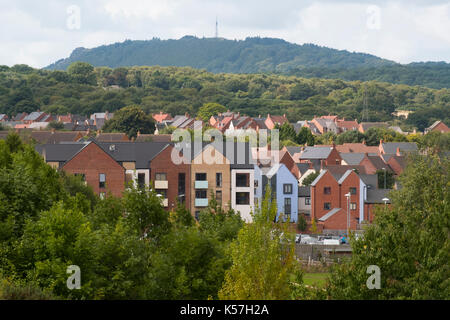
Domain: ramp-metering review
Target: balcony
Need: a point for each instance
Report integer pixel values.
(200, 184)
(161, 184)
(199, 202)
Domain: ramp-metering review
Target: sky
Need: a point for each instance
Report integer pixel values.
(39, 33)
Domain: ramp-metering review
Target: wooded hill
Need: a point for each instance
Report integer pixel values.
(259, 55)
(83, 89)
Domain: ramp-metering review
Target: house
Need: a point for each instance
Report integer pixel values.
(325, 124)
(47, 137)
(3, 117)
(397, 147)
(171, 181)
(328, 155)
(20, 116)
(161, 117)
(375, 197)
(396, 163)
(304, 200)
(153, 137)
(98, 119)
(284, 186)
(438, 126)
(271, 121)
(352, 158)
(111, 137)
(357, 148)
(37, 116)
(374, 163)
(347, 125)
(288, 161)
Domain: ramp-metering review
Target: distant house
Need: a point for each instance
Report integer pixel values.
(272, 121)
(397, 147)
(3, 117)
(48, 137)
(37, 116)
(328, 155)
(20, 116)
(161, 117)
(99, 119)
(153, 137)
(284, 187)
(374, 163)
(112, 137)
(356, 148)
(438, 126)
(347, 125)
(304, 200)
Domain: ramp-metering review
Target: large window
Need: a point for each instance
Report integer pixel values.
(141, 180)
(161, 176)
(181, 187)
(200, 176)
(102, 180)
(287, 188)
(287, 206)
(201, 194)
(327, 190)
(218, 179)
(327, 206)
(353, 206)
(242, 180)
(242, 198)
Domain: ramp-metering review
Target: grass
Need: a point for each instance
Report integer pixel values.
(315, 279)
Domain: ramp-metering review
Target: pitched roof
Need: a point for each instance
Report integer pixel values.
(304, 191)
(111, 137)
(367, 125)
(3, 117)
(391, 147)
(33, 116)
(434, 125)
(160, 117)
(348, 125)
(339, 170)
(154, 138)
(377, 195)
(46, 137)
(293, 150)
(356, 148)
(321, 174)
(20, 116)
(59, 152)
(346, 174)
(378, 163)
(352, 158)
(329, 214)
(370, 180)
(303, 167)
(315, 153)
(260, 122)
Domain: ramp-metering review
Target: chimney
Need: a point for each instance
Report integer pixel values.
(139, 133)
(364, 142)
(398, 152)
(259, 116)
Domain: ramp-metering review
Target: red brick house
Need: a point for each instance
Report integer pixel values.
(438, 126)
(98, 169)
(160, 117)
(272, 121)
(325, 155)
(374, 163)
(286, 159)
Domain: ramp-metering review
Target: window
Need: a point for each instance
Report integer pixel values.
(162, 193)
(287, 188)
(352, 190)
(200, 194)
(242, 180)
(218, 179)
(353, 206)
(141, 180)
(327, 190)
(308, 201)
(102, 179)
(327, 206)
(219, 196)
(181, 187)
(287, 206)
(81, 175)
(242, 198)
(200, 176)
(161, 176)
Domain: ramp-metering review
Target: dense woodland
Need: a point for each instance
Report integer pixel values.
(260, 55)
(83, 89)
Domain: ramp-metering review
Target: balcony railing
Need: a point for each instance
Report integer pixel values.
(161, 184)
(199, 202)
(200, 184)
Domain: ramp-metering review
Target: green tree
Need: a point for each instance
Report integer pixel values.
(310, 178)
(82, 72)
(130, 120)
(408, 240)
(287, 132)
(55, 125)
(305, 136)
(351, 136)
(210, 109)
(263, 256)
(385, 175)
(302, 225)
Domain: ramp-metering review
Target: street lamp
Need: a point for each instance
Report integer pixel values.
(348, 213)
(385, 201)
(384, 169)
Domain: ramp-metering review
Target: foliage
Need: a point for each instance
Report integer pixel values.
(55, 125)
(305, 136)
(263, 258)
(388, 175)
(302, 225)
(310, 178)
(408, 241)
(351, 136)
(210, 109)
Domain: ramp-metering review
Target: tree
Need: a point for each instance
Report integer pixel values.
(287, 131)
(305, 136)
(82, 72)
(130, 120)
(55, 125)
(408, 240)
(351, 136)
(301, 224)
(210, 109)
(310, 178)
(263, 256)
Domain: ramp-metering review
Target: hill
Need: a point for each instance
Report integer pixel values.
(260, 55)
(85, 90)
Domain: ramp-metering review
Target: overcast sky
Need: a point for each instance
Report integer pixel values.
(40, 32)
